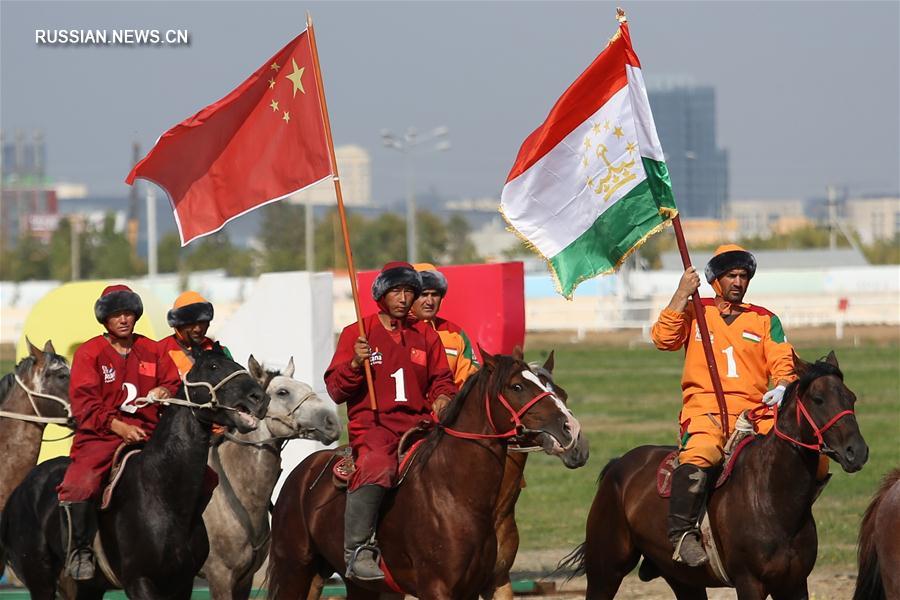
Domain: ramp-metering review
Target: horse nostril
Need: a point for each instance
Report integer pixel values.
(850, 453)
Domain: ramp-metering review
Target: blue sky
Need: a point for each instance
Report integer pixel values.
(808, 92)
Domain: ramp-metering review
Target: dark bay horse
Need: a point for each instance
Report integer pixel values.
(879, 544)
(761, 517)
(153, 532)
(437, 528)
(248, 466)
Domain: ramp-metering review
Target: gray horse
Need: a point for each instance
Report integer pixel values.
(248, 465)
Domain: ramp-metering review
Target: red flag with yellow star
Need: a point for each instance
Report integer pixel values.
(260, 143)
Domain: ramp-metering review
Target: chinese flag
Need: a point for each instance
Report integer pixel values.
(260, 143)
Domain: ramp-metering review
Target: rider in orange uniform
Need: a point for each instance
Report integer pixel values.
(750, 349)
(460, 354)
(189, 317)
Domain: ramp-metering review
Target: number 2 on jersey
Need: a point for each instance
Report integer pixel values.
(399, 385)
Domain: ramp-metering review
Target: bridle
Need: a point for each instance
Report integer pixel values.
(38, 417)
(820, 446)
(518, 429)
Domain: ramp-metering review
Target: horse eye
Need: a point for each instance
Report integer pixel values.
(282, 392)
(517, 387)
(818, 400)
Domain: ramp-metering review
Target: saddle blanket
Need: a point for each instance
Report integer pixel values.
(670, 462)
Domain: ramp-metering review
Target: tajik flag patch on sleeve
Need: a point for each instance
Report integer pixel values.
(590, 184)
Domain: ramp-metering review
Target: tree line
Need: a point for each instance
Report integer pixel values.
(104, 253)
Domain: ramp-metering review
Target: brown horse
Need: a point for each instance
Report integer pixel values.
(761, 518)
(513, 478)
(436, 529)
(879, 544)
(34, 394)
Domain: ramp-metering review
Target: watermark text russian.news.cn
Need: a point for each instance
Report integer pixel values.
(112, 37)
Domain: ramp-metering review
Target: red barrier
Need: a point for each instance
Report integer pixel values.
(487, 301)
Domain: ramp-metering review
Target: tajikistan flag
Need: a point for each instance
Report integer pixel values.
(590, 185)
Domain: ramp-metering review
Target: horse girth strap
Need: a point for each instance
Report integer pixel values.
(257, 540)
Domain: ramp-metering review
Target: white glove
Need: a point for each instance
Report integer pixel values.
(774, 396)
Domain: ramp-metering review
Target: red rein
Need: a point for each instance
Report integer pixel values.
(801, 409)
(516, 419)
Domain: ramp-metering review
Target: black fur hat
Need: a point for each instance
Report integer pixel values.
(432, 279)
(395, 274)
(190, 307)
(115, 298)
(729, 257)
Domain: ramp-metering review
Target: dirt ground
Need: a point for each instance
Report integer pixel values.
(826, 583)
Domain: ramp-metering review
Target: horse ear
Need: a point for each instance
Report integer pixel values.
(48, 347)
(489, 361)
(196, 351)
(517, 353)
(256, 370)
(800, 366)
(831, 359)
(33, 351)
(289, 369)
(548, 364)
(217, 347)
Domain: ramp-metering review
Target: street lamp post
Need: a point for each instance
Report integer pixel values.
(406, 145)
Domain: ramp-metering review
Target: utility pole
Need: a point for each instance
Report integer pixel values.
(832, 217)
(151, 231)
(133, 204)
(75, 224)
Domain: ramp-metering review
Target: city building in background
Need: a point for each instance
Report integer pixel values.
(28, 202)
(685, 116)
(873, 219)
(764, 218)
(355, 169)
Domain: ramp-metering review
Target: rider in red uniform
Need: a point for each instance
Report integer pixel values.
(411, 379)
(108, 373)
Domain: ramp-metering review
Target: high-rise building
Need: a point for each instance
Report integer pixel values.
(355, 168)
(685, 116)
(28, 204)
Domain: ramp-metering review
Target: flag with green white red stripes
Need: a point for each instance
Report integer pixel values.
(590, 185)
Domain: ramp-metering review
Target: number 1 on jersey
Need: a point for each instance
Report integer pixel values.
(399, 385)
(732, 365)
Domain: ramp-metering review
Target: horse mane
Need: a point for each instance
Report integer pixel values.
(868, 584)
(484, 381)
(820, 368)
(9, 380)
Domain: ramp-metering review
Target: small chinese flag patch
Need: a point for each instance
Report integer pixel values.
(417, 357)
(147, 368)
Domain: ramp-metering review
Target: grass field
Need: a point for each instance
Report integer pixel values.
(626, 397)
(629, 396)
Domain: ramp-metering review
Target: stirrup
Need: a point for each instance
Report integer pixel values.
(376, 557)
(676, 556)
(84, 559)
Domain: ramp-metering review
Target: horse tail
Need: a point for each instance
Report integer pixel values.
(572, 564)
(868, 583)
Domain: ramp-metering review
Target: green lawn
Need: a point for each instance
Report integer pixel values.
(629, 397)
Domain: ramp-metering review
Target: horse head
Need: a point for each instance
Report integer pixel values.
(231, 395)
(520, 401)
(295, 410)
(43, 376)
(578, 454)
(818, 414)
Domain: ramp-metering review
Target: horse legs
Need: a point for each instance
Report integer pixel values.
(609, 552)
(143, 588)
(507, 547)
(800, 592)
(316, 587)
(749, 588)
(686, 592)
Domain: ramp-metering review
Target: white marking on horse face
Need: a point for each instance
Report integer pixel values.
(530, 376)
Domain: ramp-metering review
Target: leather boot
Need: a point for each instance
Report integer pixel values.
(360, 550)
(685, 507)
(79, 526)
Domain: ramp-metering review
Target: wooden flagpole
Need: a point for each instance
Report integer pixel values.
(700, 315)
(340, 202)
